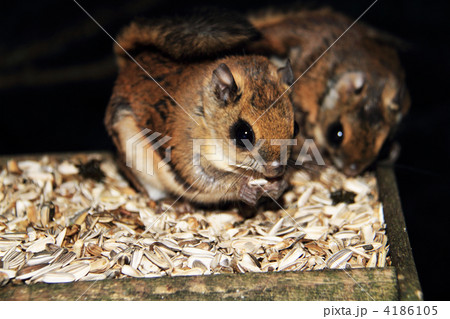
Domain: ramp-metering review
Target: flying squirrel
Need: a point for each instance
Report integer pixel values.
(350, 94)
(188, 92)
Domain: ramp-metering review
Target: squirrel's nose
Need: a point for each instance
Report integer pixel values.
(273, 169)
(351, 170)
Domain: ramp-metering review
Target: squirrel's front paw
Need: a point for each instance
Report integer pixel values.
(250, 194)
(275, 188)
(253, 189)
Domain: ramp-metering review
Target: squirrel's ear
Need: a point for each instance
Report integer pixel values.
(286, 73)
(352, 82)
(223, 84)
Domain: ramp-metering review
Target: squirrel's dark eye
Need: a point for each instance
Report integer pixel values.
(296, 129)
(241, 130)
(335, 134)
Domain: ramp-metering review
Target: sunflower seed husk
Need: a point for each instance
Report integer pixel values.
(164, 256)
(93, 277)
(367, 234)
(171, 244)
(37, 277)
(78, 270)
(192, 251)
(33, 271)
(130, 271)
(94, 249)
(372, 262)
(40, 245)
(136, 258)
(44, 257)
(290, 258)
(57, 277)
(339, 259)
(248, 264)
(188, 272)
(47, 213)
(258, 182)
(303, 199)
(99, 265)
(65, 258)
(158, 261)
(199, 262)
(8, 244)
(274, 230)
(147, 266)
(14, 236)
(31, 234)
(67, 168)
(56, 225)
(60, 238)
(248, 245)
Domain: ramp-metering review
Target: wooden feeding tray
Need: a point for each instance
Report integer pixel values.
(397, 280)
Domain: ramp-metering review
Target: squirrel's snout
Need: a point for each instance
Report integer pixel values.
(352, 170)
(273, 169)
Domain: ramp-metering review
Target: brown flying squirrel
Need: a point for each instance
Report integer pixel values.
(353, 98)
(214, 94)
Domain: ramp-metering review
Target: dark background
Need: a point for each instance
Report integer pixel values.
(57, 71)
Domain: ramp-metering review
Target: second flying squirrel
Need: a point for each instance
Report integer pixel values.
(213, 96)
(351, 101)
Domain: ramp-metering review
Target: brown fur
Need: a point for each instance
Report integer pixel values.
(199, 35)
(369, 115)
(137, 103)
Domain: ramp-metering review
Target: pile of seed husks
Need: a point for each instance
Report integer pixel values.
(76, 218)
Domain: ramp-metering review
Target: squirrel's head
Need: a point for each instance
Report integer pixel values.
(248, 112)
(357, 115)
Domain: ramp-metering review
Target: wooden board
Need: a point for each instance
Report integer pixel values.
(400, 248)
(399, 282)
(360, 284)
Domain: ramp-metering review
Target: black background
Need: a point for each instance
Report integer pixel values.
(57, 72)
